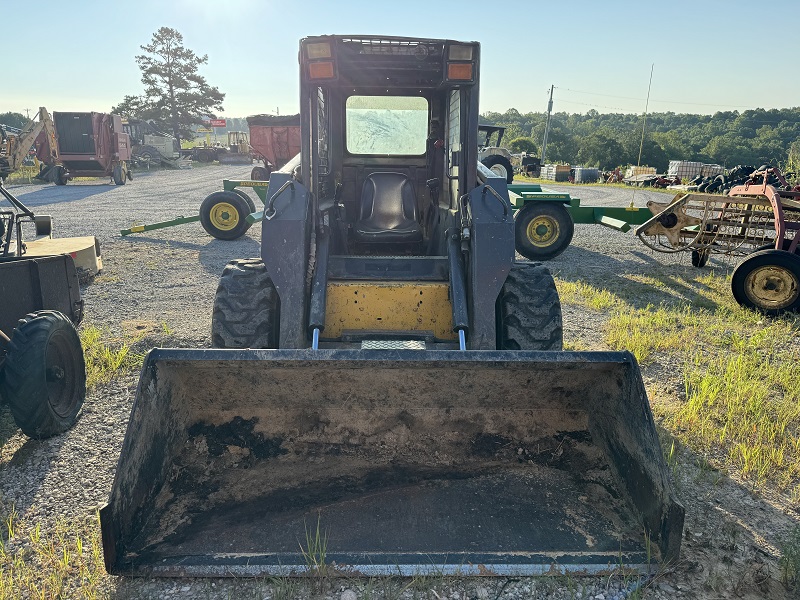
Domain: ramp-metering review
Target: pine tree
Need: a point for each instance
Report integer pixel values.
(176, 96)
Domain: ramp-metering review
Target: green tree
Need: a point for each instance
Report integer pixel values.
(175, 94)
(523, 144)
(13, 119)
(600, 149)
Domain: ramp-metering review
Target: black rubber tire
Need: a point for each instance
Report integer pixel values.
(745, 289)
(700, 258)
(498, 160)
(44, 379)
(208, 211)
(247, 199)
(259, 174)
(149, 154)
(558, 225)
(61, 176)
(118, 174)
(528, 310)
(245, 307)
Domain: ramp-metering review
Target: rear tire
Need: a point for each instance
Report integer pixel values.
(768, 281)
(245, 307)
(542, 230)
(700, 257)
(529, 311)
(61, 176)
(259, 174)
(500, 165)
(118, 173)
(44, 379)
(247, 199)
(223, 214)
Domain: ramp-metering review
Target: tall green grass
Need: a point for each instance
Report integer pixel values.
(739, 371)
(107, 358)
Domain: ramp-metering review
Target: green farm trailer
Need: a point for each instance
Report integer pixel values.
(222, 214)
(544, 219)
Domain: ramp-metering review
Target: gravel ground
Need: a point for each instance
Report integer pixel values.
(160, 286)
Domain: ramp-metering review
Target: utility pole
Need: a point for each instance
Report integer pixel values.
(547, 126)
(28, 113)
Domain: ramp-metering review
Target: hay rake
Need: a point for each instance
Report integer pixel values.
(757, 220)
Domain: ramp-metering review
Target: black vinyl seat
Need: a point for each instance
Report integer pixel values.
(388, 211)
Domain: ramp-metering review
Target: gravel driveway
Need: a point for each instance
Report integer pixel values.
(161, 285)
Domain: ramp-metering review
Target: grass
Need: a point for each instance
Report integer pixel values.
(741, 386)
(66, 564)
(790, 559)
(107, 359)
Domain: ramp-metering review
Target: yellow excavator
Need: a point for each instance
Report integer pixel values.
(15, 146)
(388, 392)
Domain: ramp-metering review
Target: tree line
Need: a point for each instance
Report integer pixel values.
(752, 137)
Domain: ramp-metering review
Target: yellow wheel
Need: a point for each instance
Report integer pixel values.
(768, 281)
(542, 230)
(223, 214)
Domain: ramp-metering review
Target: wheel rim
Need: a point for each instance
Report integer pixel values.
(772, 287)
(224, 216)
(499, 170)
(61, 375)
(543, 231)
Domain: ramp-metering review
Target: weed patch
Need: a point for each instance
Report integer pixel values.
(65, 563)
(106, 359)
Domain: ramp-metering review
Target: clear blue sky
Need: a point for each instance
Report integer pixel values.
(709, 55)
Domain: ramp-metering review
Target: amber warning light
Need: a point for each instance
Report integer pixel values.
(321, 70)
(459, 71)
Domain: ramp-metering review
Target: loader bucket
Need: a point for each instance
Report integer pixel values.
(402, 462)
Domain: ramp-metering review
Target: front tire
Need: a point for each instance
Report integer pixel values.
(45, 374)
(500, 165)
(119, 175)
(245, 307)
(223, 215)
(542, 230)
(528, 310)
(768, 281)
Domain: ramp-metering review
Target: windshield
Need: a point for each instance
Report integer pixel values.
(386, 125)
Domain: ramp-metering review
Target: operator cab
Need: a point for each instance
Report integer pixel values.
(387, 114)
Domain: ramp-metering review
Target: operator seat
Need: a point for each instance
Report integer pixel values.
(388, 211)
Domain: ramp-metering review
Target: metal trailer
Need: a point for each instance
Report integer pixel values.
(544, 219)
(223, 215)
(42, 371)
(757, 220)
(385, 374)
(88, 144)
(274, 140)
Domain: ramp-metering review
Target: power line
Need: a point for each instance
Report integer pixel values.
(655, 101)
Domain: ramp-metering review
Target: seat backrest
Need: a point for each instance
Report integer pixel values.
(388, 200)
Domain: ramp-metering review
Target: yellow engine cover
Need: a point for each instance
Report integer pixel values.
(388, 306)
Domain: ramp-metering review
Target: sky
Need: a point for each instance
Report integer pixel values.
(706, 55)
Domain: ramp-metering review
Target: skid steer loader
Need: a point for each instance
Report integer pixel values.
(388, 392)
